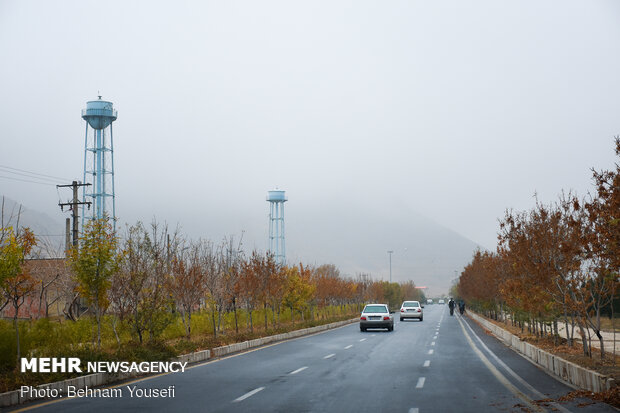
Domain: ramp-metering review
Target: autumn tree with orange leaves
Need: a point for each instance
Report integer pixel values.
(557, 261)
(602, 245)
(186, 283)
(15, 282)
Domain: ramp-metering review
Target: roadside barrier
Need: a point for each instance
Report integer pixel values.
(566, 371)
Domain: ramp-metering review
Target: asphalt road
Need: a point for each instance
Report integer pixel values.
(443, 364)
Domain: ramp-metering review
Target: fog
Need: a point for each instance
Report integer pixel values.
(372, 116)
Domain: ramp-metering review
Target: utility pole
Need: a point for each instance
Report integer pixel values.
(67, 234)
(74, 207)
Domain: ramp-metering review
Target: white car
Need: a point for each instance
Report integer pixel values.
(376, 316)
(411, 309)
(441, 302)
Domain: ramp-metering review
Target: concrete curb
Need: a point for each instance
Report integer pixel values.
(562, 369)
(237, 347)
(99, 379)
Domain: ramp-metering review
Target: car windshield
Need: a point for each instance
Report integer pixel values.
(411, 304)
(375, 309)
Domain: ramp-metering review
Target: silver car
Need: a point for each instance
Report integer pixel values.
(411, 309)
(376, 316)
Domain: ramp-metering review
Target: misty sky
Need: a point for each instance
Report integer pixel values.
(451, 110)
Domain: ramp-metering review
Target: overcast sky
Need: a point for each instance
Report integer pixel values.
(455, 110)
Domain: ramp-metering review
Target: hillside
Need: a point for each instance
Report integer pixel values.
(48, 230)
(356, 238)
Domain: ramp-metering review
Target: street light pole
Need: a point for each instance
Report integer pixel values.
(390, 252)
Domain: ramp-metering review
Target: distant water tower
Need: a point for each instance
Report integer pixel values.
(99, 159)
(276, 201)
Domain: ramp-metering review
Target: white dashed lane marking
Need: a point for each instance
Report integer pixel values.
(298, 370)
(427, 363)
(414, 410)
(248, 394)
(348, 347)
(431, 351)
(433, 343)
(362, 339)
(420, 384)
(329, 356)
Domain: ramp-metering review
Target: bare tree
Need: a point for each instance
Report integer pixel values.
(141, 281)
(187, 282)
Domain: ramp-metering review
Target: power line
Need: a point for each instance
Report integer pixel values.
(29, 176)
(55, 178)
(25, 180)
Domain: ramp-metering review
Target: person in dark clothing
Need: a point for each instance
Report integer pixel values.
(462, 307)
(451, 305)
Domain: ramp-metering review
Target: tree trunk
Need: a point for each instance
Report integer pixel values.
(214, 324)
(98, 316)
(219, 318)
(118, 340)
(16, 324)
(234, 302)
(600, 339)
(584, 340)
(189, 323)
(136, 324)
(613, 326)
(41, 299)
(251, 323)
(569, 339)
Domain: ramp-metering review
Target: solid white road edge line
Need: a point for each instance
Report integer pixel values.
(512, 373)
(498, 375)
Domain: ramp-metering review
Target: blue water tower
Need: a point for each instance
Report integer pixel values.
(276, 201)
(99, 159)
